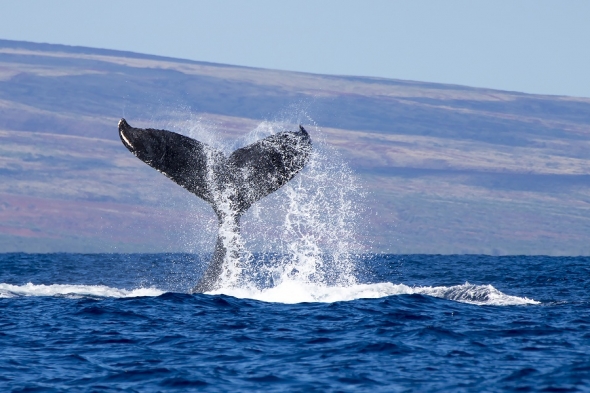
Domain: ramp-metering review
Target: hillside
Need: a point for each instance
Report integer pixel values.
(447, 169)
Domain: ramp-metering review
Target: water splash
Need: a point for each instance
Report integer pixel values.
(308, 230)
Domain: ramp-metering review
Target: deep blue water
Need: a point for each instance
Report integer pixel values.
(57, 339)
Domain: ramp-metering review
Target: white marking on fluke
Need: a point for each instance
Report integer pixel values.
(125, 139)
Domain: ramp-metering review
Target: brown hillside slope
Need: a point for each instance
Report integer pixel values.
(448, 169)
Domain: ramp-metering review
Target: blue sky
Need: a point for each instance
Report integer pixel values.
(534, 46)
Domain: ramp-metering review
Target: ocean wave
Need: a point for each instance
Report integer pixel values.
(297, 292)
(289, 292)
(9, 290)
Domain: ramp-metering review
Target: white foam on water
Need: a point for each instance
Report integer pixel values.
(475, 294)
(288, 292)
(9, 290)
(292, 291)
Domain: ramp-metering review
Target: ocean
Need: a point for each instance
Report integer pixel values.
(126, 322)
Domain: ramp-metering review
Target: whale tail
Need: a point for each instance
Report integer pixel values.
(229, 184)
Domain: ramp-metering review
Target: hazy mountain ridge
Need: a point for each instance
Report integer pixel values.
(448, 168)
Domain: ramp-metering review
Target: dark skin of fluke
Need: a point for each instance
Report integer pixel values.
(236, 182)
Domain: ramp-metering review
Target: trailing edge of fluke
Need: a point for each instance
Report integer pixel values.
(229, 184)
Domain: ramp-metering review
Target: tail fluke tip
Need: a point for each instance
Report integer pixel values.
(123, 125)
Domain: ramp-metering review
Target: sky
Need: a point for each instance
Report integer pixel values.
(532, 46)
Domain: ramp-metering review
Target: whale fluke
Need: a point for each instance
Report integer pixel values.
(229, 184)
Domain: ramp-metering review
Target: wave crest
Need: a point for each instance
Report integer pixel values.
(297, 292)
(289, 292)
(9, 290)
